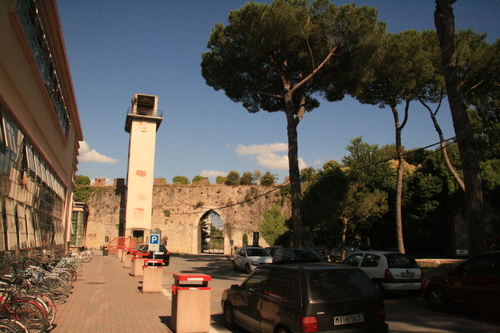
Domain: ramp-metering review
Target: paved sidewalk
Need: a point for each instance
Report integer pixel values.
(106, 298)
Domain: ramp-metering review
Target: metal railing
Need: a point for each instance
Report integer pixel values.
(154, 113)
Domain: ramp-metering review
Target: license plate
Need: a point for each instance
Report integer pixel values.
(407, 275)
(349, 319)
(158, 252)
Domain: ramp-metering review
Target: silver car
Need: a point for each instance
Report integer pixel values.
(248, 258)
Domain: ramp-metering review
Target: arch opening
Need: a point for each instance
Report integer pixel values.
(212, 233)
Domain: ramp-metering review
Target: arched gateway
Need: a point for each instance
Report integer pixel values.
(211, 233)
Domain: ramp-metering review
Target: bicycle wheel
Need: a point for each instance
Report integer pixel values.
(72, 270)
(47, 303)
(67, 278)
(31, 314)
(11, 326)
(56, 286)
(86, 257)
(51, 306)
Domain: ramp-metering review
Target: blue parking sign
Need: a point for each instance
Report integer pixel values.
(154, 239)
(154, 242)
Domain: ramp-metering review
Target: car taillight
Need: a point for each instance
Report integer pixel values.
(388, 274)
(309, 324)
(380, 316)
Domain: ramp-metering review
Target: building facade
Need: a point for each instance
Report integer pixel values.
(39, 133)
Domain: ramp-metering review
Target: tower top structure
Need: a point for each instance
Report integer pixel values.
(144, 107)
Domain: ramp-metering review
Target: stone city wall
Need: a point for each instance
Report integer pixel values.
(177, 210)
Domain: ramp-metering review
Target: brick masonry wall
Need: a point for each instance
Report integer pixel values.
(177, 211)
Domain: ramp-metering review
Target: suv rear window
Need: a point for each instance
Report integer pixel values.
(399, 260)
(280, 284)
(339, 283)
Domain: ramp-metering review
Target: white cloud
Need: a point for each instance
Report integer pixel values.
(212, 173)
(267, 157)
(91, 155)
(273, 161)
(261, 149)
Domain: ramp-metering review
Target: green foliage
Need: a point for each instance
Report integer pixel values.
(251, 194)
(82, 193)
(246, 179)
(268, 179)
(307, 174)
(490, 174)
(245, 240)
(368, 164)
(198, 179)
(233, 178)
(82, 180)
(256, 176)
(274, 225)
(180, 180)
(285, 193)
(265, 45)
(220, 179)
(400, 68)
(320, 204)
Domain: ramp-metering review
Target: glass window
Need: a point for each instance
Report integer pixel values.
(257, 281)
(481, 266)
(397, 260)
(280, 284)
(370, 260)
(339, 283)
(278, 255)
(354, 259)
(257, 253)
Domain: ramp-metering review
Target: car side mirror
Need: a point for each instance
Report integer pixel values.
(235, 286)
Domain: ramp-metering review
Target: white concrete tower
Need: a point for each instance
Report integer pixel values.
(143, 121)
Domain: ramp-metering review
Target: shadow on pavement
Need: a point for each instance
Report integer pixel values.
(217, 266)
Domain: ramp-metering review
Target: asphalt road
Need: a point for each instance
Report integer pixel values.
(403, 313)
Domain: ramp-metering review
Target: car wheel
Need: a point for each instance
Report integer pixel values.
(379, 287)
(228, 316)
(436, 299)
(235, 268)
(282, 329)
(248, 270)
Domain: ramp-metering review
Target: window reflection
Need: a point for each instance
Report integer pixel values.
(31, 197)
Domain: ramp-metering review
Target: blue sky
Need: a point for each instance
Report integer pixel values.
(117, 48)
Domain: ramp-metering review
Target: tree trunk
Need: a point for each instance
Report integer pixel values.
(442, 144)
(399, 180)
(345, 223)
(294, 173)
(474, 214)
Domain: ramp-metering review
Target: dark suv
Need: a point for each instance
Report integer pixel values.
(305, 297)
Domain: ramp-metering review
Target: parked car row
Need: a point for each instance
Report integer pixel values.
(297, 290)
(474, 284)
